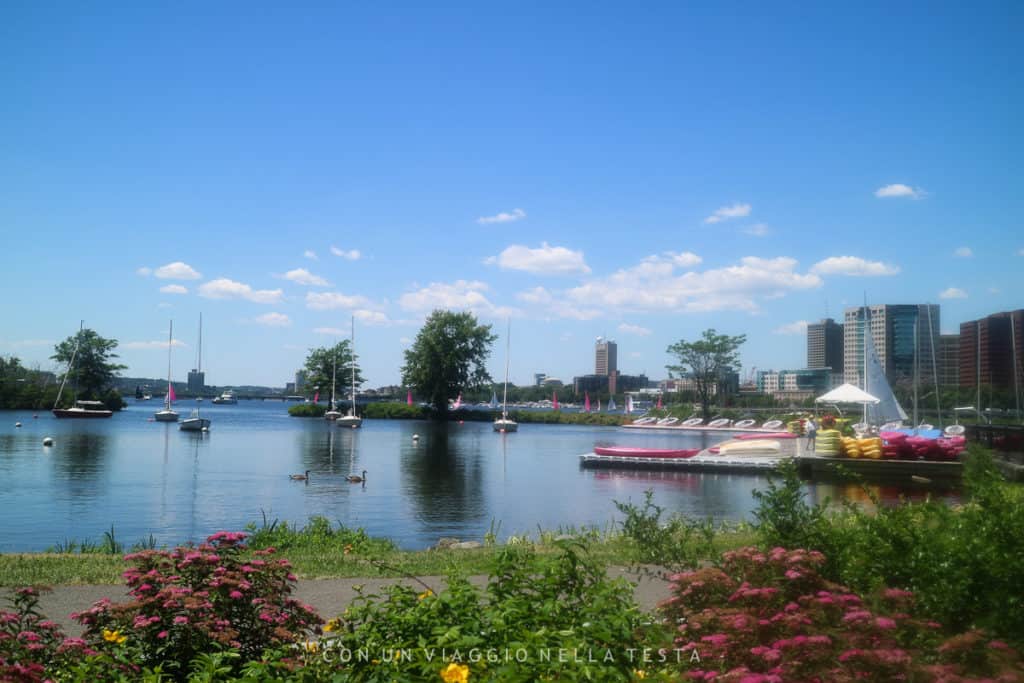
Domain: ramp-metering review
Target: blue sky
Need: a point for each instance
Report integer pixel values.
(589, 169)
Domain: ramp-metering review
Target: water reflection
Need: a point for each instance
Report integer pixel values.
(442, 473)
(865, 494)
(80, 460)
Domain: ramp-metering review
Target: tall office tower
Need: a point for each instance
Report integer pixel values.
(825, 345)
(949, 360)
(894, 330)
(605, 357)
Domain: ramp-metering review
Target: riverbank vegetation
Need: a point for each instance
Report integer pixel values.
(921, 591)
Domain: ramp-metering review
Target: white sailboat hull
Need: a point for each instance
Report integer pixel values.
(505, 425)
(350, 421)
(165, 416)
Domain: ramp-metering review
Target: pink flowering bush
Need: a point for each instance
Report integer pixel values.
(767, 616)
(30, 643)
(200, 599)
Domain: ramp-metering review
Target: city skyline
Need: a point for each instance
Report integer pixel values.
(690, 168)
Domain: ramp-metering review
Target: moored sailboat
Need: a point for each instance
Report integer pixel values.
(504, 423)
(352, 420)
(168, 414)
(196, 422)
(81, 409)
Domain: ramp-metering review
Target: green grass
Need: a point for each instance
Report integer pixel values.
(321, 550)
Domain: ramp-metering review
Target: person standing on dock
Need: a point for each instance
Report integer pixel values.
(812, 430)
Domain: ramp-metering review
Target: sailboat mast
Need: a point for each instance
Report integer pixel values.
(864, 350)
(353, 365)
(1013, 357)
(504, 392)
(170, 341)
(916, 374)
(199, 368)
(71, 363)
(935, 365)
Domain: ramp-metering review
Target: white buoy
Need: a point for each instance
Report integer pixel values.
(48, 441)
(17, 424)
(415, 437)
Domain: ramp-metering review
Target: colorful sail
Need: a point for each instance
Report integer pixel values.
(316, 397)
(554, 400)
(171, 398)
(586, 402)
(458, 403)
(408, 398)
(659, 401)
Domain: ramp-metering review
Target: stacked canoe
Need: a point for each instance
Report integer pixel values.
(795, 426)
(917, 447)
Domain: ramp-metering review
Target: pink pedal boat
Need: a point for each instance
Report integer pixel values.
(633, 452)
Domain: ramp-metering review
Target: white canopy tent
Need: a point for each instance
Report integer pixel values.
(848, 393)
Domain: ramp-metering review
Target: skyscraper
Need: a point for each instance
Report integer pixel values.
(606, 361)
(825, 345)
(605, 357)
(949, 360)
(894, 329)
(196, 381)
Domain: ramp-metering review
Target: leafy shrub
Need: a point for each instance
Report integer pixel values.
(963, 564)
(199, 599)
(318, 535)
(771, 616)
(676, 543)
(307, 410)
(532, 605)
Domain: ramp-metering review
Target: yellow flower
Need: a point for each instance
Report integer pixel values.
(332, 625)
(455, 673)
(425, 594)
(398, 655)
(114, 636)
(311, 646)
(640, 674)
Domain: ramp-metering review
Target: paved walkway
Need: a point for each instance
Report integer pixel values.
(328, 596)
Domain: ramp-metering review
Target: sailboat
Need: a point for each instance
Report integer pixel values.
(494, 401)
(168, 414)
(611, 404)
(332, 412)
(505, 424)
(352, 420)
(81, 408)
(888, 409)
(629, 404)
(196, 422)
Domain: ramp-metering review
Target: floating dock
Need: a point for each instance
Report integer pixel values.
(703, 462)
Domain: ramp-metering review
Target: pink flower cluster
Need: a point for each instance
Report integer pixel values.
(770, 616)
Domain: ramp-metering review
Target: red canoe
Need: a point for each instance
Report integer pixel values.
(630, 452)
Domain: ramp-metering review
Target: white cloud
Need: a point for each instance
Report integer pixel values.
(683, 259)
(557, 308)
(853, 266)
(515, 215)
(963, 252)
(350, 254)
(325, 301)
(144, 271)
(545, 260)
(332, 331)
(655, 285)
(174, 289)
(459, 295)
(405, 341)
(148, 345)
(626, 328)
(273, 320)
(900, 190)
(537, 295)
(371, 318)
(177, 271)
(29, 343)
(798, 327)
(223, 288)
(757, 230)
(726, 213)
(301, 276)
(953, 293)
(311, 255)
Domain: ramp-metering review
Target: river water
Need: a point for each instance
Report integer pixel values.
(144, 477)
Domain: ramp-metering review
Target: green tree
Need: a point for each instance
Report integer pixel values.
(447, 358)
(93, 372)
(320, 364)
(706, 361)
